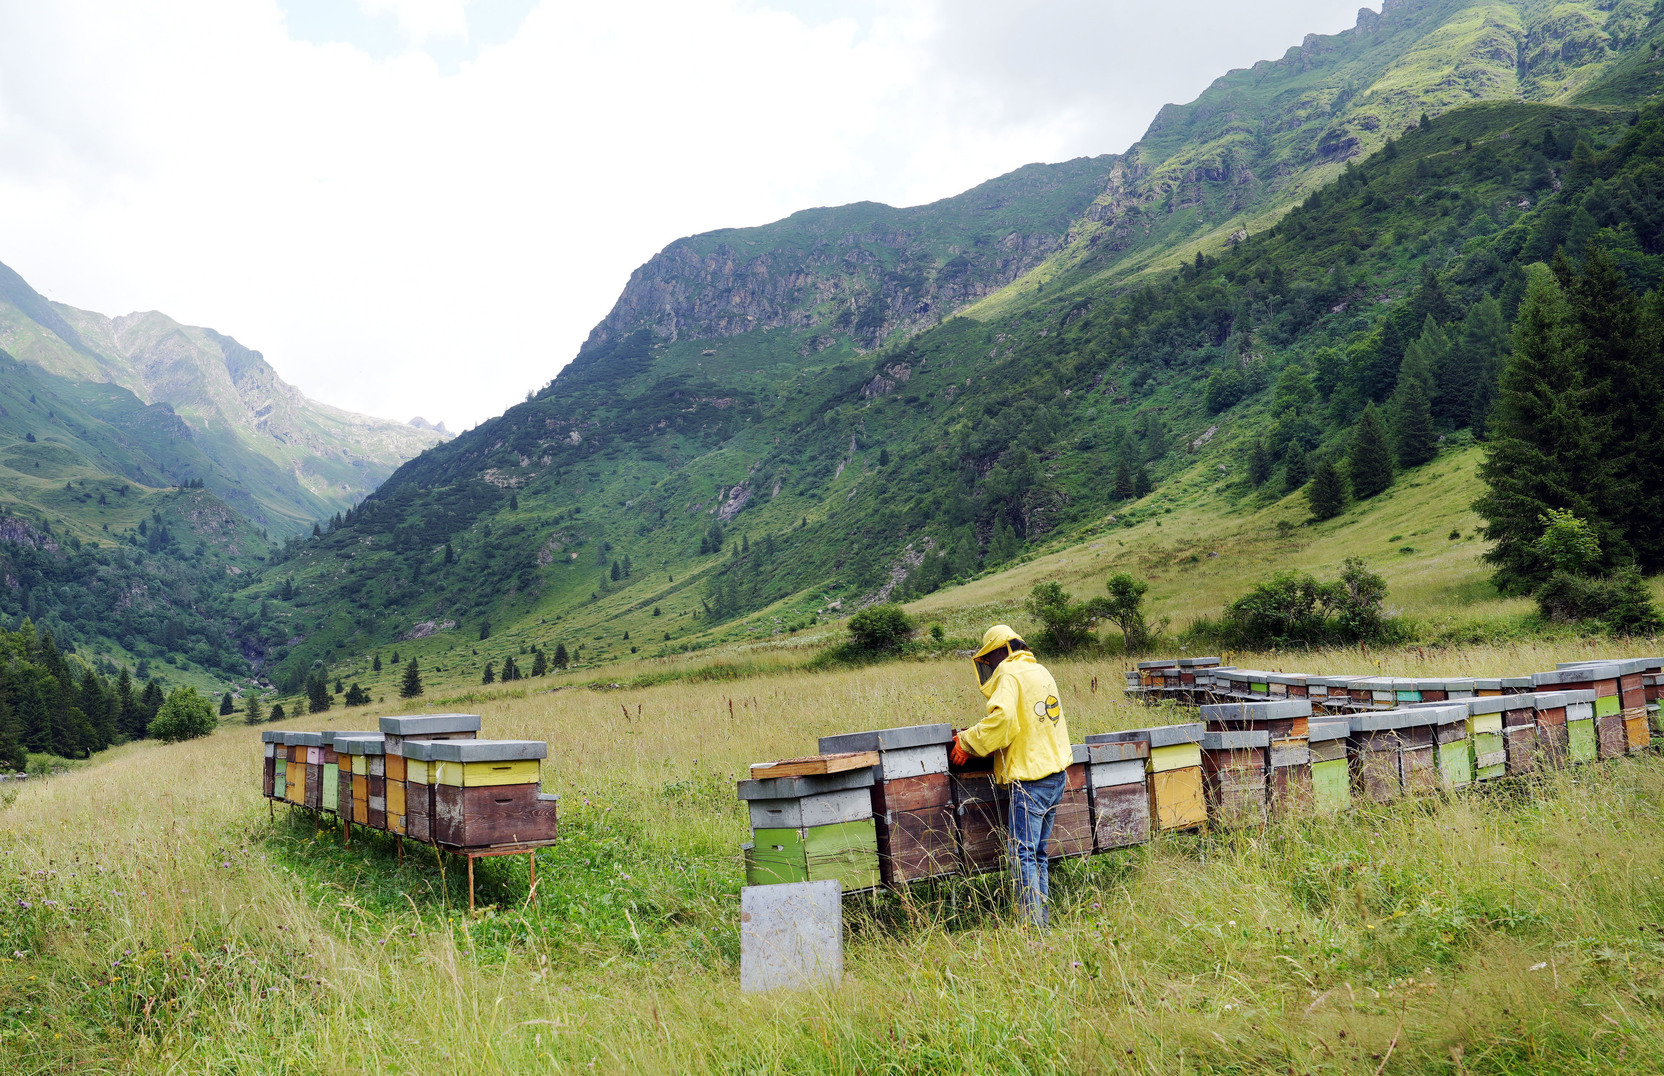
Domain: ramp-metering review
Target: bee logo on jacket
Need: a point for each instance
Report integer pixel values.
(1051, 709)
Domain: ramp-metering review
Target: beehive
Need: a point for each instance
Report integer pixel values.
(911, 799)
(1174, 770)
(485, 792)
(1118, 786)
(1331, 779)
(813, 828)
(1194, 678)
(1072, 823)
(1234, 766)
(1392, 751)
(1519, 731)
(1611, 738)
(270, 744)
(1288, 760)
(1486, 739)
(365, 754)
(1549, 709)
(395, 732)
(979, 813)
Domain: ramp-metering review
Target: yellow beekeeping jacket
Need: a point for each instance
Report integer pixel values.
(1024, 729)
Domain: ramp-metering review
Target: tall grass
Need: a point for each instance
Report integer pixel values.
(156, 916)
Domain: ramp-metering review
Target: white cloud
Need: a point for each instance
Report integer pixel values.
(400, 240)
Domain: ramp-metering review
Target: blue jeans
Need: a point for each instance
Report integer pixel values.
(1033, 810)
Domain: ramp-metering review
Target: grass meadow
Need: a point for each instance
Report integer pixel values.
(155, 915)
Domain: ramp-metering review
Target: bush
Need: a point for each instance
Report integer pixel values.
(1620, 601)
(1124, 607)
(1294, 607)
(1064, 622)
(184, 716)
(880, 628)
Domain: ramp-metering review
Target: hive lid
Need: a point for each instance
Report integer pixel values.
(1279, 709)
(896, 739)
(1554, 700)
(1235, 741)
(1079, 752)
(1296, 679)
(479, 750)
(785, 788)
(1487, 683)
(1623, 666)
(1325, 731)
(1196, 663)
(1157, 736)
(1573, 674)
(1159, 663)
(1487, 704)
(331, 734)
(271, 736)
(1409, 717)
(429, 724)
(1516, 681)
(306, 739)
(360, 744)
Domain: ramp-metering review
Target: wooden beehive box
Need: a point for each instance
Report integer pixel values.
(1194, 678)
(1234, 768)
(1072, 823)
(980, 809)
(1485, 687)
(363, 754)
(1450, 740)
(1392, 750)
(1458, 690)
(1549, 711)
(912, 799)
(1174, 771)
(269, 747)
(308, 749)
(1331, 779)
(1117, 786)
(1152, 674)
(846, 852)
(1486, 739)
(1611, 739)
(486, 792)
(1519, 731)
(1285, 722)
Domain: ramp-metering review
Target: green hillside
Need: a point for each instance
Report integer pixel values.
(279, 458)
(945, 456)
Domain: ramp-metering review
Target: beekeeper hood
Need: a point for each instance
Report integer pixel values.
(998, 643)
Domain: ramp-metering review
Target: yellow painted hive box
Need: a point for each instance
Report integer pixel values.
(522, 771)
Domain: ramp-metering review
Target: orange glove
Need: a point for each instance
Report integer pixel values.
(957, 754)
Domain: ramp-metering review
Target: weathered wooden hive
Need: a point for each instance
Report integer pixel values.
(911, 798)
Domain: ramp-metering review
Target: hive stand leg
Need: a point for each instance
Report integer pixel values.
(470, 885)
(401, 851)
(532, 858)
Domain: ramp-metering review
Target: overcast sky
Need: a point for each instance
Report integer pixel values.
(422, 206)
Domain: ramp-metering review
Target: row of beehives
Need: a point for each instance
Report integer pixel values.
(892, 810)
(1629, 686)
(428, 777)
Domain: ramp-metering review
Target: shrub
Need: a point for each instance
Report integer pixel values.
(184, 716)
(880, 628)
(1064, 623)
(1294, 607)
(1124, 607)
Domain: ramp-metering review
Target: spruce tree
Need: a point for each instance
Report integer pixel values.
(253, 712)
(1296, 470)
(227, 707)
(1142, 484)
(1326, 494)
(1259, 464)
(411, 686)
(1369, 462)
(561, 659)
(1619, 355)
(1123, 480)
(375, 664)
(1414, 442)
(540, 664)
(489, 676)
(1541, 451)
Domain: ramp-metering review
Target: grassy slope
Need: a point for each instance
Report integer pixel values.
(169, 925)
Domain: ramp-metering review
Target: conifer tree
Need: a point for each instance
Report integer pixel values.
(277, 712)
(1414, 442)
(540, 664)
(1259, 464)
(127, 707)
(1123, 480)
(1326, 494)
(1369, 462)
(561, 659)
(1541, 452)
(253, 712)
(1141, 482)
(411, 686)
(489, 675)
(227, 707)
(1619, 355)
(375, 663)
(1296, 469)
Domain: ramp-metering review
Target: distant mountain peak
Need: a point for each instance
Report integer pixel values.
(423, 424)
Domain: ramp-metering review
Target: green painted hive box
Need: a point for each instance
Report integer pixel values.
(846, 852)
(1331, 780)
